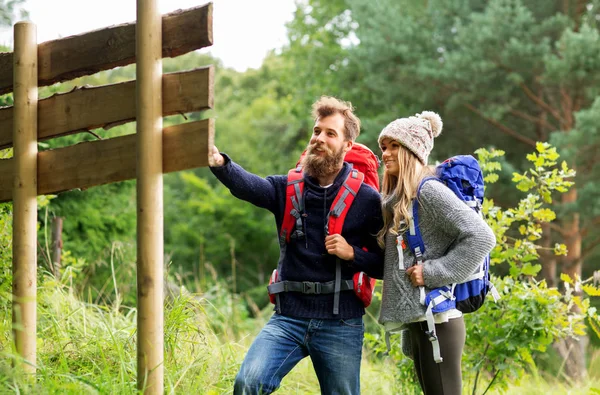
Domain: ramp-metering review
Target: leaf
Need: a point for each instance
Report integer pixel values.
(540, 147)
(565, 278)
(517, 177)
(560, 249)
(529, 258)
(553, 155)
(554, 292)
(540, 161)
(591, 290)
(545, 215)
(491, 178)
(514, 271)
(531, 270)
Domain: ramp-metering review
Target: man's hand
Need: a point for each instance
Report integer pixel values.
(215, 159)
(416, 275)
(337, 245)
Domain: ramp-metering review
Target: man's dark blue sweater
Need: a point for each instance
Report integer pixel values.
(306, 259)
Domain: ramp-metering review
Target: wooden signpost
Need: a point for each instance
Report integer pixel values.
(144, 156)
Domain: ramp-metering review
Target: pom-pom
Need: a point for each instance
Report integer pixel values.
(435, 121)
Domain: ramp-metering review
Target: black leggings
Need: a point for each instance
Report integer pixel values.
(443, 378)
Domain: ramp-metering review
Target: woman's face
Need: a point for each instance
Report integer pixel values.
(389, 155)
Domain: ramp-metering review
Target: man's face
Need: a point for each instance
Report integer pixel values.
(327, 146)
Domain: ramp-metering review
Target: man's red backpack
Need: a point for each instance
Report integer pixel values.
(364, 169)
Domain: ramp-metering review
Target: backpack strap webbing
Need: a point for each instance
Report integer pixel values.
(291, 225)
(342, 202)
(417, 246)
(309, 287)
(337, 214)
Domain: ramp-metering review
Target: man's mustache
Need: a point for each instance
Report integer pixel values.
(312, 148)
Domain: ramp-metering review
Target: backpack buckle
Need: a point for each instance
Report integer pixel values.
(431, 336)
(309, 287)
(297, 234)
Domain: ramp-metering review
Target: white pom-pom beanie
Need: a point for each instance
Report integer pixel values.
(415, 133)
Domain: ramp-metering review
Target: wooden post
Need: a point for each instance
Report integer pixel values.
(57, 244)
(149, 198)
(25, 192)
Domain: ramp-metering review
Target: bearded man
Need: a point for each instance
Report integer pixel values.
(306, 324)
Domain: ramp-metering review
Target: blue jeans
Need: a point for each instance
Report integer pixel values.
(334, 346)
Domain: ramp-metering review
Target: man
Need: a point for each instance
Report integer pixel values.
(305, 323)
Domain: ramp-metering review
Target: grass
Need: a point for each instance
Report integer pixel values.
(84, 348)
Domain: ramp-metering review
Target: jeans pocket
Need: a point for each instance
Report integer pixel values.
(352, 322)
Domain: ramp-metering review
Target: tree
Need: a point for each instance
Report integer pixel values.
(11, 10)
(529, 71)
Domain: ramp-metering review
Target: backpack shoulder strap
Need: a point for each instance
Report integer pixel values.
(294, 205)
(424, 180)
(415, 240)
(342, 202)
(337, 214)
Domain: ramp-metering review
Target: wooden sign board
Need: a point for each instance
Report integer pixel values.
(84, 165)
(100, 162)
(85, 54)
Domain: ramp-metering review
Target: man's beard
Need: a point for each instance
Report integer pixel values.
(321, 166)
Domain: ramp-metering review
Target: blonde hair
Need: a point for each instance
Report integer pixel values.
(398, 192)
(328, 105)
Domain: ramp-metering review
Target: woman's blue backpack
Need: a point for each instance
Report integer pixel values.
(463, 176)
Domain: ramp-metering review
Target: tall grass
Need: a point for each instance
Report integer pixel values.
(85, 348)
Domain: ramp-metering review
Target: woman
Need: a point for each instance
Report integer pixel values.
(456, 241)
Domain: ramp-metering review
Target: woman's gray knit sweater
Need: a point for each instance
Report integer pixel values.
(456, 241)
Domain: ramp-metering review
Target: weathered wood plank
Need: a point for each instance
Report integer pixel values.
(88, 53)
(109, 105)
(83, 165)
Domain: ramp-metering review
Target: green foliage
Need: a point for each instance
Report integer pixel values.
(405, 375)
(86, 348)
(501, 340)
(262, 132)
(545, 177)
(5, 253)
(10, 10)
(504, 337)
(108, 215)
(206, 218)
(317, 50)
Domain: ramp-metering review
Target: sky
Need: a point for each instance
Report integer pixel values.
(243, 30)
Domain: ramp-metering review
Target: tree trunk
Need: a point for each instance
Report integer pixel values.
(572, 349)
(57, 245)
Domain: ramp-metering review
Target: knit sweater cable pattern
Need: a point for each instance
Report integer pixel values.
(456, 241)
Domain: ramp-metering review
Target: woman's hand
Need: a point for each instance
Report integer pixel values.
(415, 273)
(337, 245)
